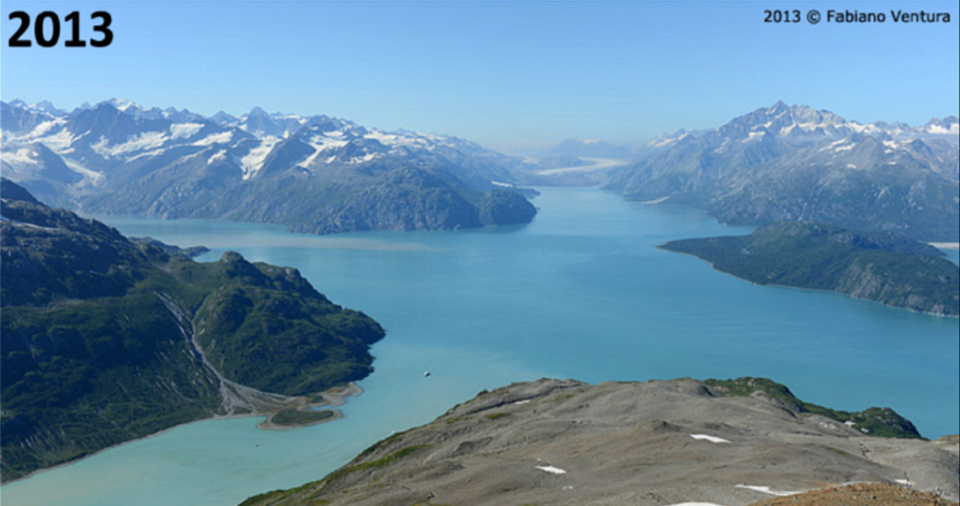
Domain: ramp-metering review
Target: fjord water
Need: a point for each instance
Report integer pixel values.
(581, 292)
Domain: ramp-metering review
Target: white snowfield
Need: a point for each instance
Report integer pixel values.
(767, 490)
(551, 470)
(252, 162)
(712, 439)
(827, 122)
(184, 130)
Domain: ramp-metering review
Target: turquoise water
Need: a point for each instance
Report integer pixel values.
(580, 293)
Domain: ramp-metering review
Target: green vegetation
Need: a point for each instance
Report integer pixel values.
(103, 339)
(385, 461)
(191, 252)
(343, 472)
(877, 422)
(882, 266)
(497, 416)
(293, 417)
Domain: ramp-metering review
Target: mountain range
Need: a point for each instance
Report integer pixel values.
(105, 339)
(314, 174)
(319, 174)
(786, 163)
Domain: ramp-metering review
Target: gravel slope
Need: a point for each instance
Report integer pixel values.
(562, 443)
(886, 495)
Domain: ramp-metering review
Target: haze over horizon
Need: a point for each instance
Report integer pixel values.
(511, 77)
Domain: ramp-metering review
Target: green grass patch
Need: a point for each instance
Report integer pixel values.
(293, 417)
(877, 422)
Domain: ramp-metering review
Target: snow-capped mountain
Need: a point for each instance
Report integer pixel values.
(801, 125)
(798, 163)
(119, 157)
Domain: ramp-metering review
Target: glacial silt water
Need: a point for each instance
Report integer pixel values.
(581, 292)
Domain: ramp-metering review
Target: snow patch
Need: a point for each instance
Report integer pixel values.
(45, 127)
(552, 470)
(24, 156)
(835, 145)
(141, 142)
(252, 162)
(941, 130)
(59, 142)
(123, 105)
(184, 130)
(860, 129)
(397, 140)
(155, 152)
(363, 159)
(220, 138)
(219, 156)
(663, 140)
(767, 490)
(712, 439)
(320, 143)
(91, 177)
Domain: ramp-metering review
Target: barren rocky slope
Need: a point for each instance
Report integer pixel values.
(887, 495)
(658, 443)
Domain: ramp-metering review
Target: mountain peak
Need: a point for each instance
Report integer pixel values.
(123, 104)
(778, 108)
(48, 107)
(257, 111)
(223, 118)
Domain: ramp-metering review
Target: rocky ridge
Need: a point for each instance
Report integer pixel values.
(560, 443)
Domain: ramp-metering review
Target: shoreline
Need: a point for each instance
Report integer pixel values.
(817, 290)
(270, 426)
(332, 399)
(335, 397)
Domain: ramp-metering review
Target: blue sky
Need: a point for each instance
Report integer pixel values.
(506, 74)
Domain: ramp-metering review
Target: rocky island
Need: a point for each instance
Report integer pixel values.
(881, 266)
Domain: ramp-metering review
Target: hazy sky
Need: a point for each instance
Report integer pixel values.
(505, 74)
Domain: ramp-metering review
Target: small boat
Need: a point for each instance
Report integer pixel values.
(427, 374)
